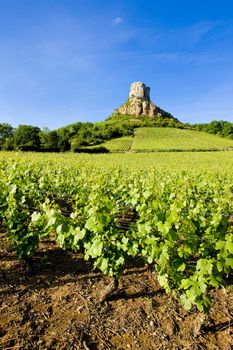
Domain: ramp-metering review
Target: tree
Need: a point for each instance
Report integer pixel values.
(27, 138)
(49, 140)
(227, 130)
(215, 127)
(63, 139)
(6, 131)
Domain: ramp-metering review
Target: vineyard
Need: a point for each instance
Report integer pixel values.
(121, 144)
(172, 139)
(177, 222)
(168, 139)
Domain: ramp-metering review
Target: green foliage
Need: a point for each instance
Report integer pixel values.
(8, 144)
(217, 127)
(180, 219)
(146, 121)
(6, 133)
(116, 127)
(49, 141)
(27, 138)
(81, 135)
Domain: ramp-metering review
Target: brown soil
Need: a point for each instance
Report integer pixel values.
(57, 308)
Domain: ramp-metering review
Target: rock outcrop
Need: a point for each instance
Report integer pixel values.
(139, 103)
(139, 90)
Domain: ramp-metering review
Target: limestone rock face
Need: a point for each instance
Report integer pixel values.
(139, 102)
(139, 90)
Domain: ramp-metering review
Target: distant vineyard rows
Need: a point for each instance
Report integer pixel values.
(168, 139)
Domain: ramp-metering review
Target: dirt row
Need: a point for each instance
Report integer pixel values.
(57, 308)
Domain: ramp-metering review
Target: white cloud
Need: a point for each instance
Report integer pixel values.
(117, 20)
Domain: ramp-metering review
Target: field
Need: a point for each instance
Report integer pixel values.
(73, 226)
(169, 139)
(121, 144)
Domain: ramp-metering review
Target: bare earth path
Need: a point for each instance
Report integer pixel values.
(57, 308)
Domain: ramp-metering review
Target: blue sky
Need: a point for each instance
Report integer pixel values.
(63, 61)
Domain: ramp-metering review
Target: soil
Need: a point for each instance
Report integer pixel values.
(57, 307)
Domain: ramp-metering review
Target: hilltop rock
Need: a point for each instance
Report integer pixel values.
(140, 91)
(139, 103)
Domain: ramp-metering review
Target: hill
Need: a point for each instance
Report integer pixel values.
(149, 139)
(121, 131)
(140, 104)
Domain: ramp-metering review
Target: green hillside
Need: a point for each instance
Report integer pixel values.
(168, 139)
(120, 144)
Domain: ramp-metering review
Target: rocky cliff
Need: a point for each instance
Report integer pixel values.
(139, 103)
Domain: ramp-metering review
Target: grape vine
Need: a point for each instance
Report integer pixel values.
(176, 222)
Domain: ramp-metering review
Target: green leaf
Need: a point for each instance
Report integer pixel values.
(220, 245)
(96, 248)
(214, 282)
(59, 229)
(91, 223)
(52, 221)
(120, 261)
(35, 216)
(79, 234)
(185, 283)
(204, 304)
(181, 267)
(204, 266)
(229, 262)
(229, 246)
(163, 281)
(187, 304)
(103, 264)
(220, 265)
(163, 228)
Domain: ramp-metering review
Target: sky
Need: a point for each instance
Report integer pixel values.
(65, 61)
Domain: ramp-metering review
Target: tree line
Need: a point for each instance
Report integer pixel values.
(78, 136)
(72, 137)
(217, 127)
